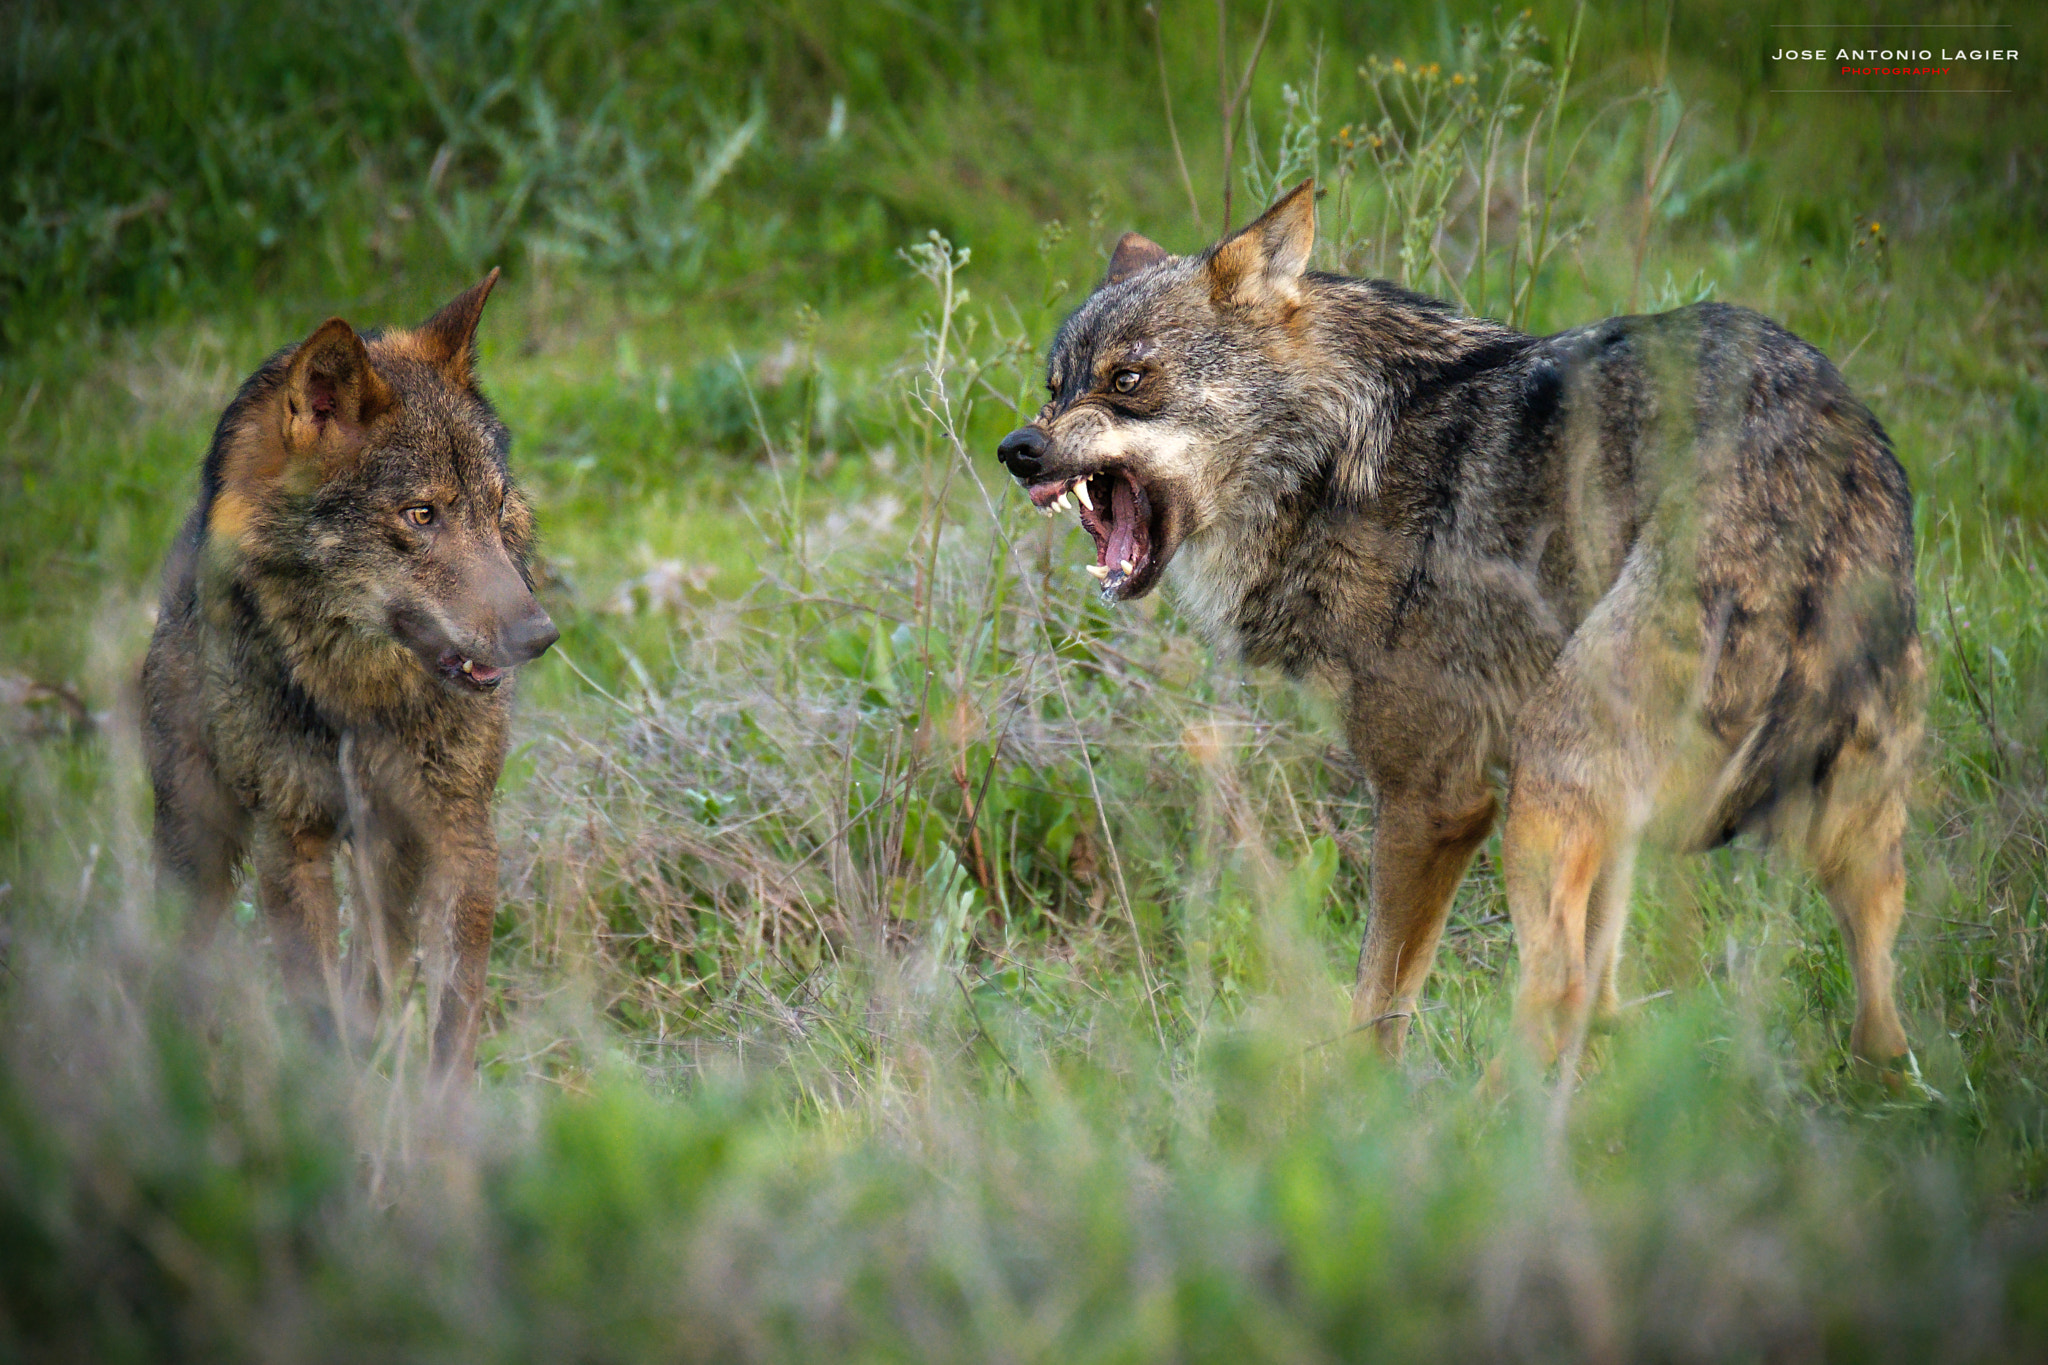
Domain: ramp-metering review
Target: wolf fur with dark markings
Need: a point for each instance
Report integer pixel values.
(1658, 571)
(332, 663)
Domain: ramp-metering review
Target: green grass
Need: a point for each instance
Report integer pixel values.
(904, 956)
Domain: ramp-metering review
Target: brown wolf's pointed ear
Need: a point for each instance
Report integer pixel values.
(331, 392)
(447, 340)
(1264, 263)
(1133, 253)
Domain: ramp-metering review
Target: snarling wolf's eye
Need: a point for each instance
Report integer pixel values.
(1125, 380)
(421, 515)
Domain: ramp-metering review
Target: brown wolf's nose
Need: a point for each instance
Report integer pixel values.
(1023, 452)
(530, 637)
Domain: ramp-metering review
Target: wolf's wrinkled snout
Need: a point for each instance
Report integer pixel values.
(1023, 452)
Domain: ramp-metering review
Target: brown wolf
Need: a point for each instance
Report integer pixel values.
(1658, 571)
(332, 662)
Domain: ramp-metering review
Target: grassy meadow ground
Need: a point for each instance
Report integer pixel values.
(903, 956)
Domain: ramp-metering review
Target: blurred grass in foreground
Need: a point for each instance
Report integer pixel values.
(904, 956)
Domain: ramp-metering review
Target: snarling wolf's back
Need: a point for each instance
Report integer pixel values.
(1659, 569)
(1717, 466)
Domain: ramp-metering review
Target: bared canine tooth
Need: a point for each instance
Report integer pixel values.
(1099, 570)
(1081, 492)
(468, 665)
(1127, 567)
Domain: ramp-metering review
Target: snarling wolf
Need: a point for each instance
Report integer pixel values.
(1657, 572)
(333, 659)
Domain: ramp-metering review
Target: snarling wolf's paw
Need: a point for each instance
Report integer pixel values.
(1900, 1078)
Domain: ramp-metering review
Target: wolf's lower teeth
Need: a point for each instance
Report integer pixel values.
(1099, 570)
(1126, 566)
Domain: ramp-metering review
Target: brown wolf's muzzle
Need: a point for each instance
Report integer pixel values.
(475, 641)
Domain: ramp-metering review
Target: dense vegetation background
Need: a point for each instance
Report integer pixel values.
(904, 956)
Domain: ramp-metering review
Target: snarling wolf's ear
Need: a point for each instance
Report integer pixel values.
(1133, 253)
(1262, 265)
(447, 340)
(331, 392)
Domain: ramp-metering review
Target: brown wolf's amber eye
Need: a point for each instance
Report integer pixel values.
(1125, 380)
(423, 515)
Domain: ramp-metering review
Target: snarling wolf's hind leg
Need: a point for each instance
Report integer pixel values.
(1421, 845)
(1856, 847)
(1557, 852)
(1606, 918)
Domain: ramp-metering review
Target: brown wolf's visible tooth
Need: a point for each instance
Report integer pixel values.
(468, 665)
(1099, 570)
(1081, 492)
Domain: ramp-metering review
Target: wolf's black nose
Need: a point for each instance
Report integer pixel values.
(1023, 452)
(529, 637)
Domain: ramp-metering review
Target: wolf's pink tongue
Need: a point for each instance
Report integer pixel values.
(1123, 525)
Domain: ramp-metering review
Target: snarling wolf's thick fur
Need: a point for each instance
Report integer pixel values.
(1657, 570)
(332, 663)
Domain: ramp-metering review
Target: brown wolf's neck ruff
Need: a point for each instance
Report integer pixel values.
(1335, 493)
(272, 614)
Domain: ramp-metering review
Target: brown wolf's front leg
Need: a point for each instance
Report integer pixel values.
(1421, 846)
(295, 885)
(196, 854)
(472, 874)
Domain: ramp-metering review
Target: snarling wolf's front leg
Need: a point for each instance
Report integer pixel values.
(1421, 845)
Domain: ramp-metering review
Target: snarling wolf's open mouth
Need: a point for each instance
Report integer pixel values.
(469, 673)
(1116, 510)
